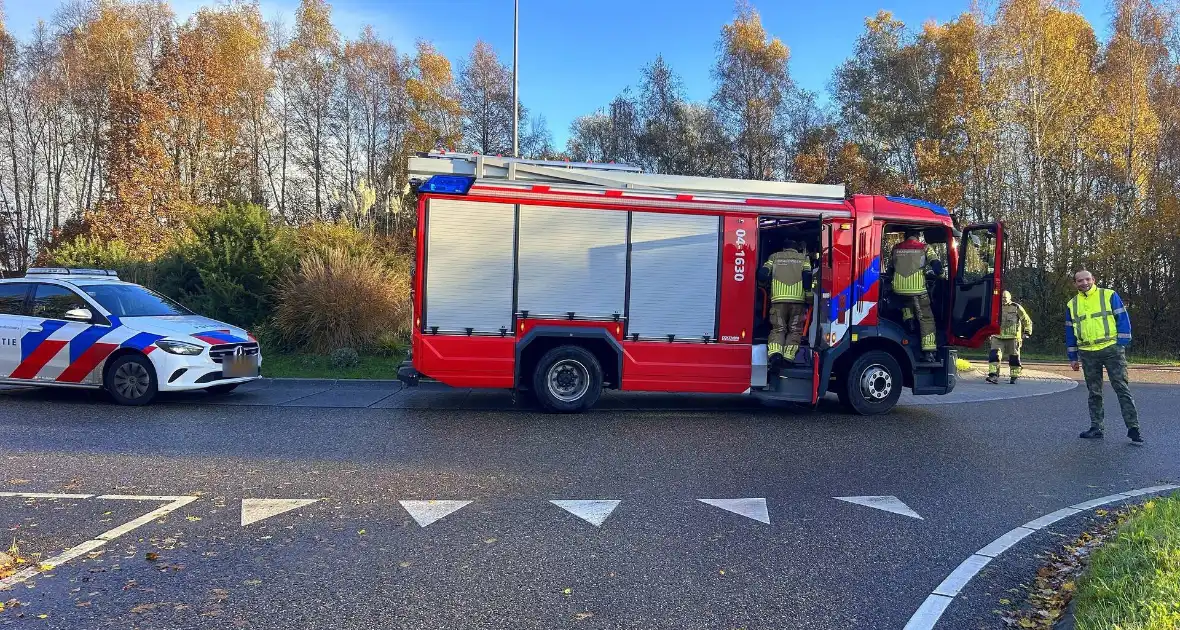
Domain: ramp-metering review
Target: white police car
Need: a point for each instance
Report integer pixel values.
(86, 328)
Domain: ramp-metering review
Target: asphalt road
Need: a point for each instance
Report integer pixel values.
(357, 558)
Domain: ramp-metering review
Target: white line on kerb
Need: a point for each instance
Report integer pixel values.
(90, 545)
(931, 610)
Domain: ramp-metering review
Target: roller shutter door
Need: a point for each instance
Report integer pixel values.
(674, 260)
(572, 260)
(469, 266)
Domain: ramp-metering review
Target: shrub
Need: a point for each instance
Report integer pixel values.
(231, 267)
(342, 358)
(341, 301)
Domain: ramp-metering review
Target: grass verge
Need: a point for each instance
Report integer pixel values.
(1133, 582)
(316, 366)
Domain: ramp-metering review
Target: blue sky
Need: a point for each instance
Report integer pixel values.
(575, 55)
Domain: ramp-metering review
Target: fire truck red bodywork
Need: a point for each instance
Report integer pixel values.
(851, 275)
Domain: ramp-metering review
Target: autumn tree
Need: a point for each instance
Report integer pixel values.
(314, 55)
(752, 84)
(485, 91)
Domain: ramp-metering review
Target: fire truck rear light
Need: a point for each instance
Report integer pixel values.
(743, 333)
(447, 184)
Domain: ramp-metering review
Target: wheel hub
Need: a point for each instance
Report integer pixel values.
(876, 383)
(132, 380)
(568, 380)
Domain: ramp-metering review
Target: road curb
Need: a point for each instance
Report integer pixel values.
(943, 595)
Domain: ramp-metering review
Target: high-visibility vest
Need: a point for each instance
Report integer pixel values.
(786, 276)
(1093, 317)
(909, 270)
(1012, 319)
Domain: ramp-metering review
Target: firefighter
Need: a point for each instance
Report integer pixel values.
(788, 300)
(1097, 329)
(909, 264)
(1015, 327)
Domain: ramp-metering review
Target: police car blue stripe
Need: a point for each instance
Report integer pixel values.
(31, 340)
(141, 341)
(85, 339)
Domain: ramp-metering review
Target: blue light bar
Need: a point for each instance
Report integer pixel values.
(447, 184)
(933, 207)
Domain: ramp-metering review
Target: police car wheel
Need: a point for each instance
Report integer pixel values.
(568, 379)
(874, 383)
(131, 380)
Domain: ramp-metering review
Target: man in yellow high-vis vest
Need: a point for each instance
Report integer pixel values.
(789, 294)
(1097, 329)
(1015, 327)
(909, 263)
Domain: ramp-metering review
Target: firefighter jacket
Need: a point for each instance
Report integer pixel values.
(786, 276)
(1094, 321)
(1014, 321)
(909, 268)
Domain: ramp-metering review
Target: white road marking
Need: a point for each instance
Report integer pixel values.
(749, 508)
(961, 575)
(594, 512)
(254, 510)
(1001, 544)
(1049, 519)
(99, 541)
(44, 495)
(139, 497)
(936, 603)
(929, 612)
(888, 503)
(427, 512)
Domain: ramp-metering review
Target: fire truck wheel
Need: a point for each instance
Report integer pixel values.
(568, 379)
(874, 383)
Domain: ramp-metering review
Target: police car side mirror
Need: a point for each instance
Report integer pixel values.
(79, 315)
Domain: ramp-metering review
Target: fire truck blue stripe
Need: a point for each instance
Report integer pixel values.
(85, 339)
(871, 276)
(30, 341)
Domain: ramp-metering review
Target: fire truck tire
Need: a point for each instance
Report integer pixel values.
(873, 384)
(568, 379)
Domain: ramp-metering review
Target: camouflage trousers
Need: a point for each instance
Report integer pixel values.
(1115, 362)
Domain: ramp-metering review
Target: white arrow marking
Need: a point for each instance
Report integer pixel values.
(749, 508)
(254, 510)
(888, 503)
(594, 512)
(427, 512)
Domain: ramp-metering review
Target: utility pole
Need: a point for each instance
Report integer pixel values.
(515, 82)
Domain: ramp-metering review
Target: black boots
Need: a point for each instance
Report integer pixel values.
(1092, 434)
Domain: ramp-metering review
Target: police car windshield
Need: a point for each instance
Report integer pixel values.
(129, 300)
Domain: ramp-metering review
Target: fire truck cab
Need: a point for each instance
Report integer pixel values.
(563, 279)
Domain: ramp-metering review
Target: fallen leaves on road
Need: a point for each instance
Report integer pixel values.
(152, 556)
(583, 616)
(1054, 585)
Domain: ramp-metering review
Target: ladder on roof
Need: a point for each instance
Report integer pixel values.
(615, 176)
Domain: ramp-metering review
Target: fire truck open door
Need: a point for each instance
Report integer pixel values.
(978, 283)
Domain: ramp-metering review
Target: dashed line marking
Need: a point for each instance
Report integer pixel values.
(937, 602)
(427, 512)
(592, 511)
(887, 503)
(44, 495)
(90, 545)
(749, 508)
(254, 510)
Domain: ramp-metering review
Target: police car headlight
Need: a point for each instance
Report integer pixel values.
(180, 347)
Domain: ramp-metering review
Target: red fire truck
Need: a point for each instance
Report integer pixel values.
(563, 279)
